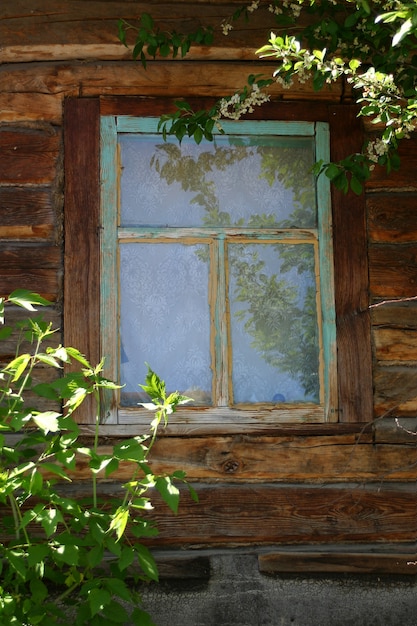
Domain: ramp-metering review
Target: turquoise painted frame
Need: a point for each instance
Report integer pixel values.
(110, 234)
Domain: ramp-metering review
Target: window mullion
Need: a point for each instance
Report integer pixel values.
(219, 314)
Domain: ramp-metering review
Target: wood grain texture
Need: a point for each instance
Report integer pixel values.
(393, 270)
(266, 514)
(395, 390)
(27, 213)
(29, 156)
(161, 78)
(74, 29)
(46, 282)
(81, 259)
(319, 460)
(328, 562)
(392, 217)
(351, 278)
(30, 107)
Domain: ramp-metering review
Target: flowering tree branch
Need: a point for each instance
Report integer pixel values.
(370, 44)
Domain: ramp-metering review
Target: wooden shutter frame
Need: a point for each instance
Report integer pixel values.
(82, 253)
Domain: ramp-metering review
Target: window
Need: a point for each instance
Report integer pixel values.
(217, 269)
(239, 244)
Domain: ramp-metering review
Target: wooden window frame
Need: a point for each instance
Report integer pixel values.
(82, 248)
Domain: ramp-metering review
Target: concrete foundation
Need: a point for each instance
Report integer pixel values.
(236, 594)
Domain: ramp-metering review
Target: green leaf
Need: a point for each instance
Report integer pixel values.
(355, 185)
(18, 365)
(147, 21)
(25, 299)
(98, 599)
(47, 421)
(130, 450)
(141, 618)
(119, 521)
(15, 559)
(37, 553)
(126, 558)
(53, 468)
(48, 360)
(118, 587)
(49, 518)
(147, 562)
(6, 331)
(332, 171)
(68, 554)
(116, 612)
(169, 492)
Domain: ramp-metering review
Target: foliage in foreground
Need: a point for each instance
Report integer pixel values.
(371, 45)
(68, 558)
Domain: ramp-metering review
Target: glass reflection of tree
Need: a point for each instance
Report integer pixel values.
(283, 328)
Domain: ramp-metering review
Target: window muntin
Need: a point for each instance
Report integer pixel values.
(207, 215)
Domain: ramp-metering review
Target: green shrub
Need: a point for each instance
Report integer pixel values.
(66, 559)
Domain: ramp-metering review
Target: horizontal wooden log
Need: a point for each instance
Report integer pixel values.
(27, 213)
(395, 390)
(21, 256)
(30, 107)
(45, 282)
(259, 459)
(233, 515)
(398, 429)
(28, 156)
(395, 314)
(393, 270)
(74, 30)
(396, 345)
(392, 217)
(161, 78)
(346, 562)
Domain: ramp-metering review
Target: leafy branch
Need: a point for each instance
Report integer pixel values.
(151, 41)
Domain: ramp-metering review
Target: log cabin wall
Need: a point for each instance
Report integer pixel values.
(300, 501)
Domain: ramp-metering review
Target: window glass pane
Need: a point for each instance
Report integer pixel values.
(273, 323)
(165, 318)
(255, 182)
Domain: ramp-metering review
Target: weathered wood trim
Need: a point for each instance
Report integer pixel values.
(81, 214)
(346, 562)
(351, 277)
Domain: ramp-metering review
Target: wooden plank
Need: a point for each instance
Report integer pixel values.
(260, 459)
(351, 278)
(392, 218)
(21, 256)
(393, 270)
(26, 213)
(346, 562)
(233, 515)
(161, 78)
(274, 110)
(30, 107)
(74, 30)
(46, 282)
(398, 429)
(82, 219)
(395, 314)
(29, 156)
(396, 345)
(395, 390)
